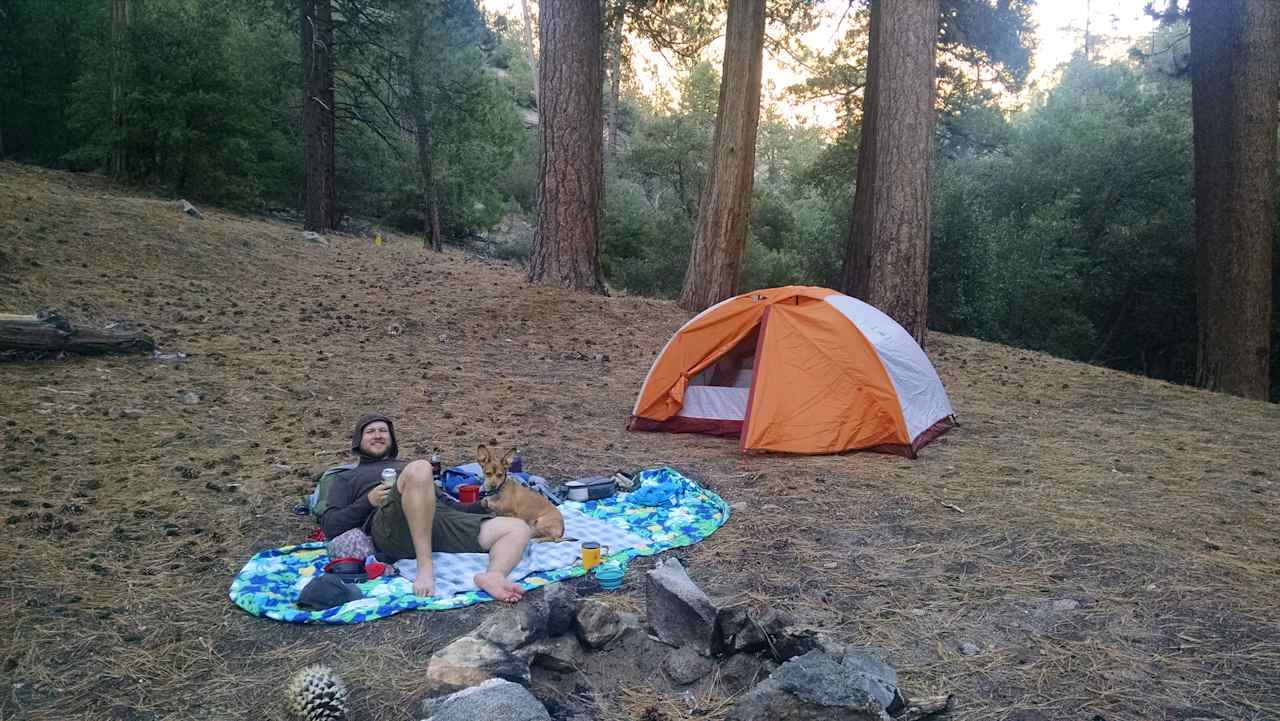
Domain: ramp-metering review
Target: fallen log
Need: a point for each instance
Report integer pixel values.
(47, 331)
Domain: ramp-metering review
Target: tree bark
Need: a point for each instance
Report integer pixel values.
(50, 332)
(615, 78)
(566, 248)
(120, 19)
(887, 256)
(319, 166)
(422, 133)
(724, 212)
(1235, 73)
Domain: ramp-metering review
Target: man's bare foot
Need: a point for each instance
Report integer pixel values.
(424, 585)
(497, 585)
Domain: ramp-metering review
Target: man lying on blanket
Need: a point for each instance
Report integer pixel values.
(405, 522)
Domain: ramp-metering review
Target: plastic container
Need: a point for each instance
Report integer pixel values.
(609, 575)
(389, 477)
(590, 489)
(468, 493)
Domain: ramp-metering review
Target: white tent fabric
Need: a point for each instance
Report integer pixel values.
(919, 389)
(719, 403)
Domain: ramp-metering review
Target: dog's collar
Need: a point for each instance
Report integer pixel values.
(485, 493)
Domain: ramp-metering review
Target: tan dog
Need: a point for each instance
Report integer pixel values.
(505, 497)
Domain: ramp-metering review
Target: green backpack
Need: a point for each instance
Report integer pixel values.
(318, 501)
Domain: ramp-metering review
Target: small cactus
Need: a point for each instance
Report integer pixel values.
(317, 693)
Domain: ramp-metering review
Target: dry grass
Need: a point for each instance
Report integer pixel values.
(1153, 506)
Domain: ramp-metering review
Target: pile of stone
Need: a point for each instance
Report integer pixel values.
(781, 672)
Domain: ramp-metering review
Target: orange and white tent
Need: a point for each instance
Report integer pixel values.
(796, 370)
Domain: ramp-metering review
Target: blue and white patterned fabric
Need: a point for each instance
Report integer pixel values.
(270, 582)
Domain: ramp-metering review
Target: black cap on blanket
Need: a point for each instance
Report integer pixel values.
(326, 591)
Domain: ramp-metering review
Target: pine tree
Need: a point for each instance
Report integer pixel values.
(724, 211)
(887, 257)
(318, 121)
(566, 245)
(1235, 73)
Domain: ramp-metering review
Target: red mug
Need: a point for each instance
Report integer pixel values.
(468, 494)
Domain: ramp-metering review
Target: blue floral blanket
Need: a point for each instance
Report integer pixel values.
(270, 582)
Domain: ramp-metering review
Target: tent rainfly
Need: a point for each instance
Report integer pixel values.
(796, 370)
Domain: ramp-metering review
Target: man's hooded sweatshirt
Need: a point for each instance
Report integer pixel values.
(349, 505)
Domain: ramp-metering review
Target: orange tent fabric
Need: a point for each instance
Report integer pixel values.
(828, 373)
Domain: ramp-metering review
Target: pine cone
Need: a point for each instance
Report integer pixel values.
(317, 693)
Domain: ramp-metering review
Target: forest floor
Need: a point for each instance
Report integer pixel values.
(1116, 553)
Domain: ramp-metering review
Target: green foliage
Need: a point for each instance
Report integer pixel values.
(669, 152)
(1075, 237)
(645, 245)
(213, 115)
(40, 56)
(468, 105)
(200, 110)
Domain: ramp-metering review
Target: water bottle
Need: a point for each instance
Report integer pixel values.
(388, 477)
(435, 466)
(517, 463)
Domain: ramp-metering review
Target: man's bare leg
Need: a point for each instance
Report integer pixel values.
(418, 499)
(505, 539)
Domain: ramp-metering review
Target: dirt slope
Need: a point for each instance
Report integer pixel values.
(1152, 507)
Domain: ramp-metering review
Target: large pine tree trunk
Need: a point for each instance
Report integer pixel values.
(724, 212)
(120, 20)
(422, 131)
(887, 257)
(1235, 73)
(566, 247)
(319, 166)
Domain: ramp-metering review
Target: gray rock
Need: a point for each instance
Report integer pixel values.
(743, 630)
(969, 649)
(313, 237)
(742, 671)
(854, 686)
(729, 622)
(679, 613)
(189, 209)
(562, 653)
(1066, 604)
(492, 699)
(630, 621)
(189, 397)
(762, 631)
(685, 665)
(561, 600)
(799, 641)
(470, 661)
(596, 624)
(511, 628)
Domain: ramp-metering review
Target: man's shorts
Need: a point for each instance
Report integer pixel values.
(453, 531)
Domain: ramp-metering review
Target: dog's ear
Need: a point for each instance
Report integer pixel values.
(507, 459)
(483, 455)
